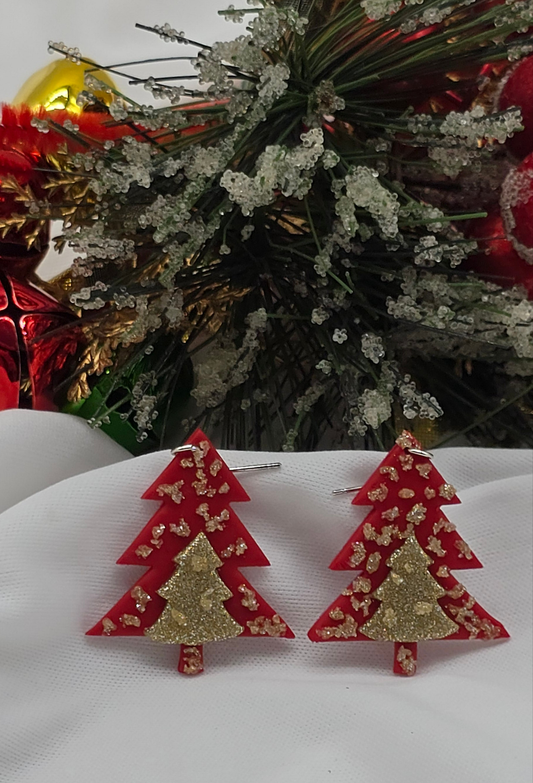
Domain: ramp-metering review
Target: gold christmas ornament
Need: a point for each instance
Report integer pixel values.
(57, 86)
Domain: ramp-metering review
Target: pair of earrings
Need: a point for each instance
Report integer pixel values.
(403, 552)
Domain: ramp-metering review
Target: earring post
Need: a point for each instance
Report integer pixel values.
(345, 489)
(266, 466)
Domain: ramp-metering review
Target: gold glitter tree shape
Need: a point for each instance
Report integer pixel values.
(409, 610)
(195, 594)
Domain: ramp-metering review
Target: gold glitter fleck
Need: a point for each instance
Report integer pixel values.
(457, 591)
(263, 626)
(215, 467)
(424, 469)
(447, 491)
(390, 471)
(406, 461)
(108, 626)
(200, 452)
(238, 548)
(347, 630)
(359, 554)
(143, 551)
(443, 571)
(406, 493)
(195, 594)
(192, 660)
(409, 528)
(409, 610)
(361, 585)
(201, 486)
(336, 614)
(140, 597)
(464, 549)
(223, 489)
(172, 490)
(430, 493)
(249, 599)
(363, 606)
(187, 463)
(435, 546)
(405, 440)
(417, 514)
(130, 619)
(384, 538)
(443, 524)
(474, 624)
(379, 494)
(369, 531)
(405, 658)
(391, 514)
(215, 522)
(372, 564)
(181, 529)
(157, 532)
(203, 510)
(204, 447)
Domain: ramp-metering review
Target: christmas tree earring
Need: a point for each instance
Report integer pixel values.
(194, 544)
(403, 552)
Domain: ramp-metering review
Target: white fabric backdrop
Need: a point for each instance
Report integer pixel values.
(82, 709)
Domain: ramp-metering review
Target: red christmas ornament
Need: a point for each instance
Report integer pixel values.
(403, 552)
(27, 365)
(194, 544)
(517, 90)
(498, 262)
(516, 204)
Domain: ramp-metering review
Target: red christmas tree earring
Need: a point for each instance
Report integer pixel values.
(194, 544)
(404, 551)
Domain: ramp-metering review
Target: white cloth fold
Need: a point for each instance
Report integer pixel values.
(81, 709)
(38, 449)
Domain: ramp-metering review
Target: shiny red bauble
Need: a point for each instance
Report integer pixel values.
(498, 261)
(516, 203)
(517, 90)
(28, 365)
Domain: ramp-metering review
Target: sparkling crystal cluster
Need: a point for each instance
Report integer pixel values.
(271, 227)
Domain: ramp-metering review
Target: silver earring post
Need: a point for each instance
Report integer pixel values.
(266, 466)
(346, 489)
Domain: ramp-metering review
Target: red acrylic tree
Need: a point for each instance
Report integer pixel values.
(194, 544)
(403, 553)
